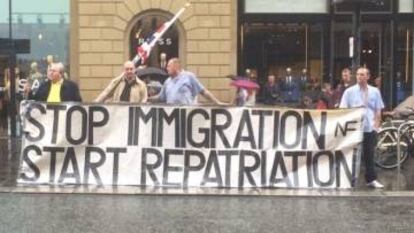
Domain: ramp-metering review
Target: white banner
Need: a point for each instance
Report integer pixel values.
(196, 146)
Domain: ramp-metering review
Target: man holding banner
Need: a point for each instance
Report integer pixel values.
(368, 97)
(182, 87)
(55, 89)
(127, 87)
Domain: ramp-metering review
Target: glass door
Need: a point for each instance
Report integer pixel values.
(404, 60)
(271, 48)
(375, 53)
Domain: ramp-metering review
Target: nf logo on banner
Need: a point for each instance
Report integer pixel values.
(189, 146)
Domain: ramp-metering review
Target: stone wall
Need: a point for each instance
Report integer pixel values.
(100, 30)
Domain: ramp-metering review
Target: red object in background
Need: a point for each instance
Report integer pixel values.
(245, 83)
(321, 105)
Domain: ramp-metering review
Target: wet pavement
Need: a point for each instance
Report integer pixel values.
(48, 208)
(151, 213)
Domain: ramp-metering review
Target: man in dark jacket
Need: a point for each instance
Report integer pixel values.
(56, 89)
(271, 91)
(290, 88)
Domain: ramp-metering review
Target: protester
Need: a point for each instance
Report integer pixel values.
(245, 90)
(182, 87)
(345, 82)
(271, 91)
(127, 87)
(244, 97)
(326, 100)
(369, 97)
(306, 102)
(253, 77)
(55, 89)
(35, 77)
(378, 82)
(290, 88)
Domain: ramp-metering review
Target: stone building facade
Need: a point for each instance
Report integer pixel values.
(100, 31)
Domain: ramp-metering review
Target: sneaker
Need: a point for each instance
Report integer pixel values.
(375, 184)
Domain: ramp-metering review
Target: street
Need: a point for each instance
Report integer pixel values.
(44, 208)
(154, 213)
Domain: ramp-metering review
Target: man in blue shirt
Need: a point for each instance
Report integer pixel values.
(182, 87)
(368, 97)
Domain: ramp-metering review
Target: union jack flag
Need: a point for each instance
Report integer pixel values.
(144, 50)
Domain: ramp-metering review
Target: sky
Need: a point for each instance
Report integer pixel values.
(35, 6)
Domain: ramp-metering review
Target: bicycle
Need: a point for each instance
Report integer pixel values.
(386, 153)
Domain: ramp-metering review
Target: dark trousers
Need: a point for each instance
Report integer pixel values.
(368, 145)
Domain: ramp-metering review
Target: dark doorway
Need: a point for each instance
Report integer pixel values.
(270, 48)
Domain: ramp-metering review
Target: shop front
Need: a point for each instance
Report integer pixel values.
(316, 40)
(40, 35)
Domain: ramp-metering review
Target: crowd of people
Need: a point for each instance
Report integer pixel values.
(182, 88)
(289, 90)
(303, 92)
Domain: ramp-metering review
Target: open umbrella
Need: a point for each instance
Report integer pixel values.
(153, 72)
(154, 87)
(245, 83)
(235, 77)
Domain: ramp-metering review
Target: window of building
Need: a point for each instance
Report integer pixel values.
(271, 48)
(166, 48)
(405, 61)
(46, 25)
(286, 6)
(406, 6)
(374, 52)
(367, 6)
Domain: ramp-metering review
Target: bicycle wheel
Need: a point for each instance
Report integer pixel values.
(386, 151)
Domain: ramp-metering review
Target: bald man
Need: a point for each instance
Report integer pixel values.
(182, 87)
(127, 87)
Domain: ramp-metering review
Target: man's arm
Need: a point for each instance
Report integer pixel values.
(109, 90)
(344, 100)
(377, 120)
(74, 92)
(27, 91)
(208, 95)
(144, 94)
(378, 113)
(41, 93)
(161, 96)
(154, 98)
(104, 94)
(77, 93)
